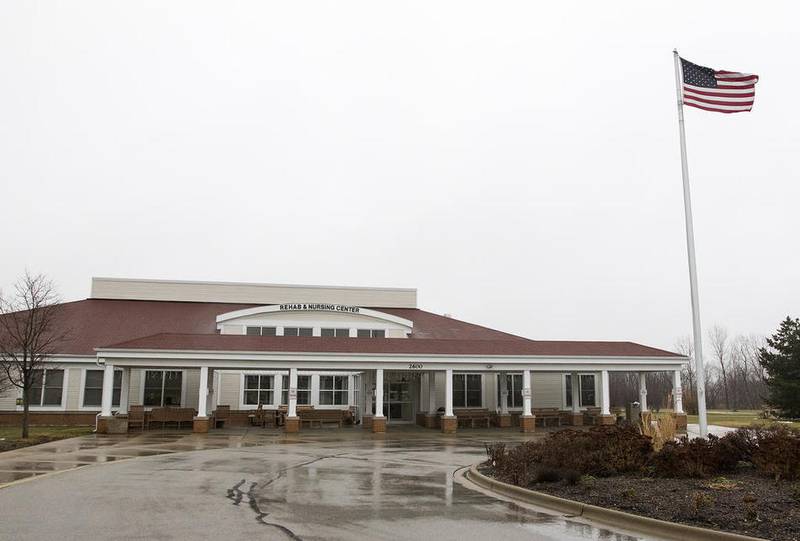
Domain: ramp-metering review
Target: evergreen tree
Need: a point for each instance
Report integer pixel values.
(781, 360)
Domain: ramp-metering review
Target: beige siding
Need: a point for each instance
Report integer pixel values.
(228, 394)
(169, 290)
(73, 389)
(8, 399)
(546, 388)
(232, 329)
(135, 390)
(192, 388)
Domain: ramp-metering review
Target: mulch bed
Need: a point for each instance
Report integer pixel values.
(744, 502)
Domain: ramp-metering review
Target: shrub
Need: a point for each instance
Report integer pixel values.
(547, 475)
(778, 452)
(601, 451)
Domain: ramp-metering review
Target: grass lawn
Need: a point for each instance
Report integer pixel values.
(736, 419)
(10, 435)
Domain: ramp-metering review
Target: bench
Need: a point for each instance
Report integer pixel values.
(471, 416)
(553, 415)
(170, 415)
(320, 417)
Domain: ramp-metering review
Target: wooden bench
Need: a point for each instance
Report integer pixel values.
(320, 417)
(471, 416)
(551, 415)
(170, 415)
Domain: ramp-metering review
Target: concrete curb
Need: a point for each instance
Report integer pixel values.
(635, 523)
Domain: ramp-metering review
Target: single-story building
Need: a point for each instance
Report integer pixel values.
(367, 351)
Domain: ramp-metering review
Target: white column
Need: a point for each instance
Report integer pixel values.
(292, 412)
(677, 391)
(368, 383)
(350, 391)
(575, 385)
(526, 393)
(605, 396)
(108, 390)
(431, 393)
(125, 392)
(277, 390)
(503, 393)
(448, 392)
(379, 392)
(643, 391)
(202, 393)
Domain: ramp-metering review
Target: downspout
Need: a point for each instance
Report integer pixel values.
(102, 364)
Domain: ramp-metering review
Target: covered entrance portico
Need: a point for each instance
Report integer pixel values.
(435, 391)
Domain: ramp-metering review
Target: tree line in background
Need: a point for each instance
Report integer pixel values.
(742, 372)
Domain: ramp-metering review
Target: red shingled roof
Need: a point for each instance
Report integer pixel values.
(435, 346)
(99, 322)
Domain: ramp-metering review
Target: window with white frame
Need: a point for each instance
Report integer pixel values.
(258, 389)
(514, 387)
(335, 333)
(298, 331)
(93, 388)
(586, 387)
(163, 388)
(303, 390)
(333, 390)
(47, 388)
(467, 390)
(261, 331)
(371, 333)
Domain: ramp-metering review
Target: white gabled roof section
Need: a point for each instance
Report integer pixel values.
(259, 310)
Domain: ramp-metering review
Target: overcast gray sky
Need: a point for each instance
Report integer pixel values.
(517, 162)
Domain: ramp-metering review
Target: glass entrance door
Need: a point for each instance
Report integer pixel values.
(398, 405)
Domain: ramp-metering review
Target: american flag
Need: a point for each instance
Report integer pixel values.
(719, 91)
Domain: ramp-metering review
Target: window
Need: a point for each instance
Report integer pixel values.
(338, 333)
(261, 331)
(163, 387)
(93, 388)
(514, 386)
(258, 389)
(371, 333)
(587, 390)
(467, 391)
(586, 384)
(303, 390)
(47, 388)
(332, 390)
(298, 331)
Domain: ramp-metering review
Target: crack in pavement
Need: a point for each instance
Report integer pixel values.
(236, 495)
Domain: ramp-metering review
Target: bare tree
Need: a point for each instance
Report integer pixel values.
(718, 337)
(29, 333)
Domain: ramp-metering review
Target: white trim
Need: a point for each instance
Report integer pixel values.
(276, 398)
(597, 396)
(83, 370)
(64, 390)
(276, 308)
(483, 389)
(143, 373)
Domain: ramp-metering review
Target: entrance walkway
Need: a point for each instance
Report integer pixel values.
(320, 484)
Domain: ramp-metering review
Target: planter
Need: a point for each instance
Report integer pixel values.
(642, 525)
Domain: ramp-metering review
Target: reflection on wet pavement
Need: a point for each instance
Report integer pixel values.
(318, 484)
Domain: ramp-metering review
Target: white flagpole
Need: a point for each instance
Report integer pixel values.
(687, 203)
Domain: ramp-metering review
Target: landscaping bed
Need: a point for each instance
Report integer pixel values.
(747, 482)
(10, 435)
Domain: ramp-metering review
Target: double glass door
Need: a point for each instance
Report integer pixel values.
(398, 405)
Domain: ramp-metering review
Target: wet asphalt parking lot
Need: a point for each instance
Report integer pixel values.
(235, 484)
